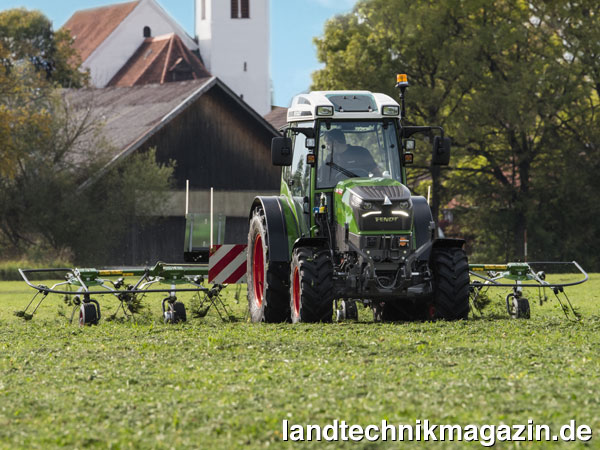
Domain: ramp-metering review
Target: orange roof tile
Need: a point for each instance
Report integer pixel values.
(90, 27)
(160, 59)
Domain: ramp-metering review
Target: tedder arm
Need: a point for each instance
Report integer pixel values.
(89, 281)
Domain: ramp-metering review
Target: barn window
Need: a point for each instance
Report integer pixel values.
(240, 9)
(245, 66)
(147, 32)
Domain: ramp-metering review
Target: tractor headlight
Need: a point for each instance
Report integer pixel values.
(357, 202)
(324, 110)
(390, 110)
(404, 204)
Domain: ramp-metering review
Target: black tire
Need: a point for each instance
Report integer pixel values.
(311, 286)
(268, 292)
(518, 307)
(450, 284)
(523, 309)
(347, 310)
(88, 314)
(179, 314)
(351, 309)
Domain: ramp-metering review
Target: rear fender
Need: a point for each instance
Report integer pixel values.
(312, 242)
(448, 243)
(282, 229)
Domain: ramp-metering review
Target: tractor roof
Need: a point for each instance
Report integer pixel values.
(342, 105)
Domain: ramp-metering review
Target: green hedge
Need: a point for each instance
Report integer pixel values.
(9, 269)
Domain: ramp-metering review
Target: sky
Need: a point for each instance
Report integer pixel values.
(294, 24)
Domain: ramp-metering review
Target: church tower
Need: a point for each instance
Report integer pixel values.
(233, 37)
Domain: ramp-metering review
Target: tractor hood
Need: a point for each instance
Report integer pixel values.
(374, 204)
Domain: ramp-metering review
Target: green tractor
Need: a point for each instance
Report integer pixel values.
(345, 229)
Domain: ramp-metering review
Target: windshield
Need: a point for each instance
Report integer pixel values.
(356, 149)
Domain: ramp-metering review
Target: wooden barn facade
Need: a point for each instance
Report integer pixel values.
(217, 141)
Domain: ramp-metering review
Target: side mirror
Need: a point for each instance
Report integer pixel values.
(281, 151)
(441, 151)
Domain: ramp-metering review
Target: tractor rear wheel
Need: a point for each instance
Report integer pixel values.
(450, 284)
(268, 296)
(311, 286)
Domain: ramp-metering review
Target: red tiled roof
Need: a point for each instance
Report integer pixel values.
(160, 59)
(90, 27)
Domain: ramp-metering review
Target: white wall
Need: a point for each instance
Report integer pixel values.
(226, 43)
(116, 50)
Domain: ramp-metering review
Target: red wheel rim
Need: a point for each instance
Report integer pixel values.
(258, 270)
(296, 288)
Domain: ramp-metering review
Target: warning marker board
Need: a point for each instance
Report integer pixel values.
(227, 264)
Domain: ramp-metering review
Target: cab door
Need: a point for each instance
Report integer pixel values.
(296, 183)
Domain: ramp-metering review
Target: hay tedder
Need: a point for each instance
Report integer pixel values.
(517, 277)
(82, 287)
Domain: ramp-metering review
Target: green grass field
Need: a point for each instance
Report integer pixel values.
(207, 384)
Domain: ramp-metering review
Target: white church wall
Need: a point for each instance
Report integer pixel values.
(237, 50)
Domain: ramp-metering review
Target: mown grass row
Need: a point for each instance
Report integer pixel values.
(210, 384)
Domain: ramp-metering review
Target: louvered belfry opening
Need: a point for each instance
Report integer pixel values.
(240, 9)
(245, 9)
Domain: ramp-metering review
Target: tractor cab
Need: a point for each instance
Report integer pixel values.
(333, 137)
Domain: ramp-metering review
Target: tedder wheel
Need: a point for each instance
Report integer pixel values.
(268, 295)
(450, 284)
(179, 312)
(88, 314)
(377, 308)
(311, 286)
(347, 310)
(518, 308)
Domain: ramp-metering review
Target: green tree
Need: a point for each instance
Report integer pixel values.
(29, 36)
(48, 150)
(43, 207)
(507, 79)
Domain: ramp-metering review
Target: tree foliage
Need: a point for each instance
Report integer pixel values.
(28, 36)
(48, 150)
(515, 83)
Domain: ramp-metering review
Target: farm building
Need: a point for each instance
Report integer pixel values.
(217, 141)
(231, 42)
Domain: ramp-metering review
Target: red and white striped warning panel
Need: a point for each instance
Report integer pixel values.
(227, 264)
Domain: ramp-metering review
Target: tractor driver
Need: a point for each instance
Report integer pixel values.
(353, 158)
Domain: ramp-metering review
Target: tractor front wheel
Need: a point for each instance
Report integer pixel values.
(451, 284)
(268, 297)
(311, 285)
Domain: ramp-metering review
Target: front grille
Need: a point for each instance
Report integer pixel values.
(375, 193)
